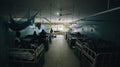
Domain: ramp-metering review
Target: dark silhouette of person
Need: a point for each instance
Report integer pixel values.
(34, 37)
(17, 39)
(42, 39)
(51, 31)
(42, 36)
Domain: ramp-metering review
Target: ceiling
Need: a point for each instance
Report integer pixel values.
(108, 15)
(68, 10)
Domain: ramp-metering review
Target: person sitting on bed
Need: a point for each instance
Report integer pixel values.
(42, 39)
(35, 37)
(42, 36)
(17, 39)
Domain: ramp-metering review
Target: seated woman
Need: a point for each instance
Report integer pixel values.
(35, 37)
(42, 36)
(17, 39)
(34, 41)
(42, 39)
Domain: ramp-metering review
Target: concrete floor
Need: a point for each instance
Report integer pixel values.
(60, 55)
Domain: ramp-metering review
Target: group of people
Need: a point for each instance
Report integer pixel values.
(41, 38)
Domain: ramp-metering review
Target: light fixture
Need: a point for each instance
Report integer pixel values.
(58, 13)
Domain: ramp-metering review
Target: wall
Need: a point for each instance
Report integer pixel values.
(5, 41)
(105, 30)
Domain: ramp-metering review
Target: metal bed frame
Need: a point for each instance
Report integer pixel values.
(97, 59)
(33, 54)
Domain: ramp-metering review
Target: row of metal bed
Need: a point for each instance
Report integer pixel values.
(33, 54)
(94, 52)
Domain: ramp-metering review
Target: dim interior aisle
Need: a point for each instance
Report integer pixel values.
(60, 55)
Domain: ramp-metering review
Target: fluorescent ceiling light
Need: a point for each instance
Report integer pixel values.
(58, 13)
